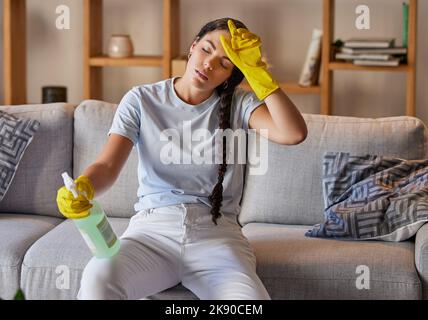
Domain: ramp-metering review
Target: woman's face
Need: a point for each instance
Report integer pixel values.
(209, 66)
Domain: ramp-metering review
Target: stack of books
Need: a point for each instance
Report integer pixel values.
(372, 52)
(376, 51)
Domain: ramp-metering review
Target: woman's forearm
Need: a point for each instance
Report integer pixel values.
(286, 116)
(101, 176)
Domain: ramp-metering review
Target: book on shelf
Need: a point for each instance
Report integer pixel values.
(311, 68)
(394, 62)
(405, 26)
(369, 42)
(392, 50)
(350, 56)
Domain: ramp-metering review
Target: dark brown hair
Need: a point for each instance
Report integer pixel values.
(225, 91)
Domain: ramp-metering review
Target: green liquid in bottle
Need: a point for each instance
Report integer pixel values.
(97, 232)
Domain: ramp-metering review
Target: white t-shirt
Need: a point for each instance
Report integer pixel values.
(164, 129)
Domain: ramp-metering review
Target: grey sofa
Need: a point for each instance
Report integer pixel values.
(44, 254)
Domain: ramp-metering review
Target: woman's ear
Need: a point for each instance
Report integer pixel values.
(192, 47)
(194, 44)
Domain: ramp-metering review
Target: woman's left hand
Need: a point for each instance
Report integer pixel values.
(245, 53)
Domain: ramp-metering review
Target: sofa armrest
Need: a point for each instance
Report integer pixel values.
(421, 258)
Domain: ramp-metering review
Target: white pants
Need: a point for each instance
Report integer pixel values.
(165, 246)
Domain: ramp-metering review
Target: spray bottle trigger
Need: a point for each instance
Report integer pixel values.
(69, 184)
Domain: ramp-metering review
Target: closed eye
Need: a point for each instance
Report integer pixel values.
(205, 50)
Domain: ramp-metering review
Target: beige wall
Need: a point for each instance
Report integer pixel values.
(55, 56)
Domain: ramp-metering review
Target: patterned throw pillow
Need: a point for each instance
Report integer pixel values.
(372, 197)
(15, 136)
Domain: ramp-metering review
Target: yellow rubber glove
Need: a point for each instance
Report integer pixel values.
(76, 208)
(245, 53)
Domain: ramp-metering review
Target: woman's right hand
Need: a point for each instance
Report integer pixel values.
(75, 208)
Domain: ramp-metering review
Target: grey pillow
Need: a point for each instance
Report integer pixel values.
(372, 197)
(15, 136)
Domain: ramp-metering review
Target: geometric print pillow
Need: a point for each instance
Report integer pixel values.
(15, 136)
(372, 197)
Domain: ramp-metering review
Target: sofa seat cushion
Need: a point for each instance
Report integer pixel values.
(293, 266)
(53, 266)
(17, 233)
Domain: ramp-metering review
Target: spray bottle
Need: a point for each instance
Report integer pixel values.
(95, 228)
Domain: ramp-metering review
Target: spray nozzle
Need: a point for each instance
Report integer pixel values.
(69, 184)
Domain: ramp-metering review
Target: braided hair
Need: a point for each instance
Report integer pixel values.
(225, 91)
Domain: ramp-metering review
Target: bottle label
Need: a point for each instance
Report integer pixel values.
(107, 232)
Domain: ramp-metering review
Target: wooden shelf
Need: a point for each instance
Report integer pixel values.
(329, 65)
(14, 52)
(137, 60)
(338, 65)
(94, 60)
(291, 87)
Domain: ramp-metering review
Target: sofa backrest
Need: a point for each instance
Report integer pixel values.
(92, 121)
(38, 177)
(291, 191)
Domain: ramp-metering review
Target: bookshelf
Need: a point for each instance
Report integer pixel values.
(95, 60)
(14, 52)
(329, 65)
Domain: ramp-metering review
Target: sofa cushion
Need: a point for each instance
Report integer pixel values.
(53, 266)
(291, 190)
(92, 122)
(34, 188)
(16, 135)
(372, 197)
(421, 257)
(17, 233)
(293, 266)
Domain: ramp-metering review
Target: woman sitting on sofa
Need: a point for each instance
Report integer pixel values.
(185, 229)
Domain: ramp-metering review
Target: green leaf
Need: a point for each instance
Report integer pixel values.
(19, 295)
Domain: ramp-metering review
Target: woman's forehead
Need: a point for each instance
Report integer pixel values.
(215, 35)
